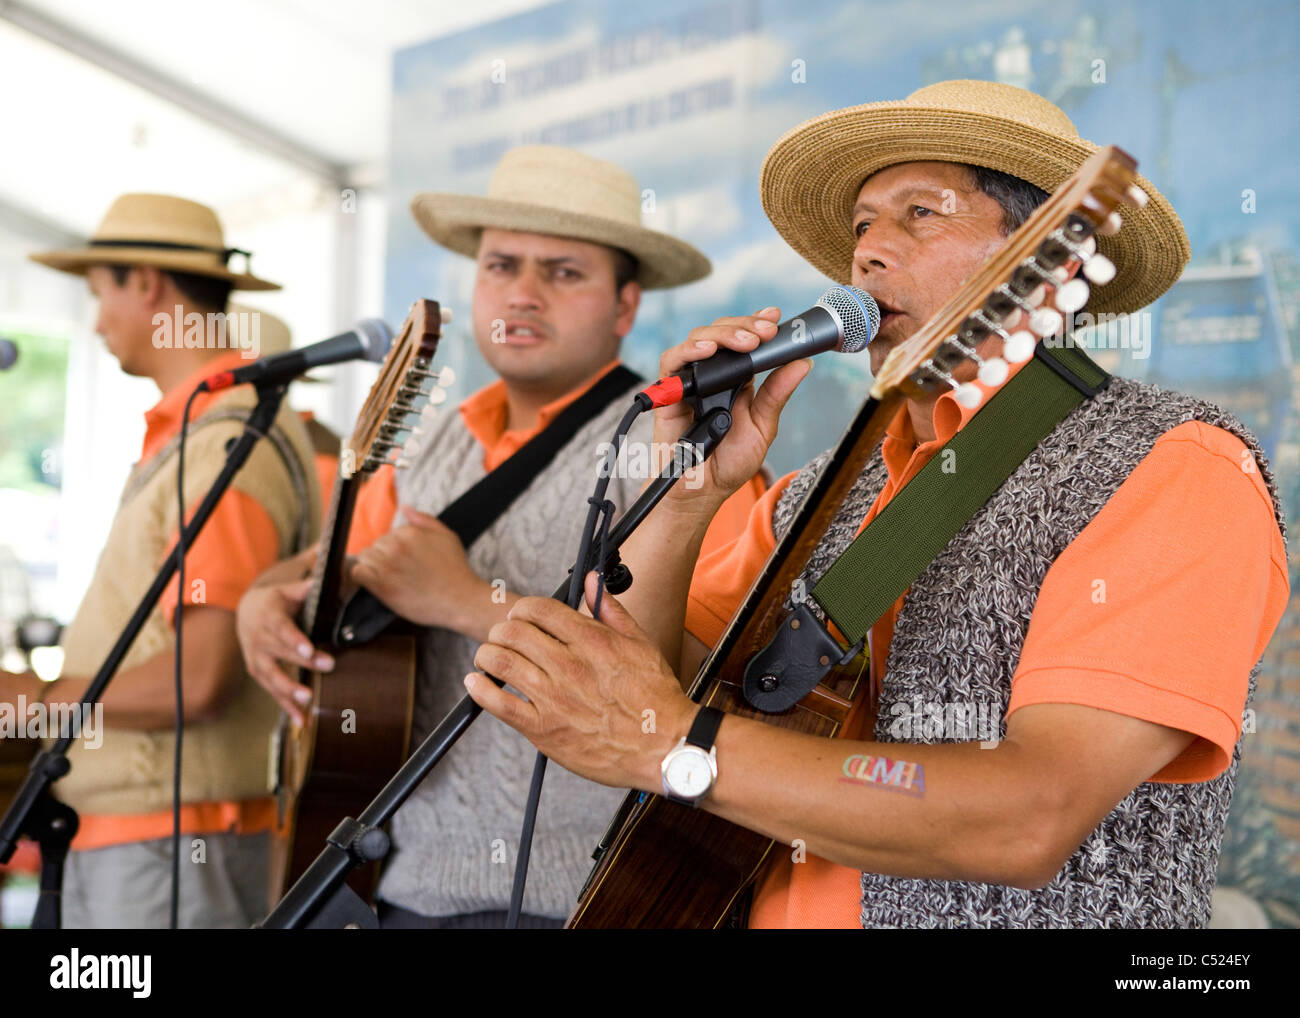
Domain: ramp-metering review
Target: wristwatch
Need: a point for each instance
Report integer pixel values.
(691, 767)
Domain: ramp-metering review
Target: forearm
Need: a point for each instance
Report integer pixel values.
(661, 555)
(143, 696)
(957, 812)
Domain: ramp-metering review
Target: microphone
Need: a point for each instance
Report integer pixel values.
(368, 340)
(845, 320)
(8, 353)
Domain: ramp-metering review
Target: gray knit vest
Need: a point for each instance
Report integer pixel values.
(454, 841)
(1151, 862)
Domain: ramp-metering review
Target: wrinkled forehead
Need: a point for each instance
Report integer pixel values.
(540, 246)
(895, 184)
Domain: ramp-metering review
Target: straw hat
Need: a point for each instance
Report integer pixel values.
(162, 231)
(547, 189)
(811, 177)
(273, 332)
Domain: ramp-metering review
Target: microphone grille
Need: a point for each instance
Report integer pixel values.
(858, 314)
(377, 335)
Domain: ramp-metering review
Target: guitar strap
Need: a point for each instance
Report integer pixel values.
(471, 514)
(919, 522)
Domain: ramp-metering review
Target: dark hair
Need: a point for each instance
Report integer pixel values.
(1017, 197)
(208, 292)
(625, 268)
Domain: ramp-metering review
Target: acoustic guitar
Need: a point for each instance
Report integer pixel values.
(662, 864)
(358, 725)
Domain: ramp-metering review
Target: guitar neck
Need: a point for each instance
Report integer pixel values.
(324, 601)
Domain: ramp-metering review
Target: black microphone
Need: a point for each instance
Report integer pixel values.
(369, 340)
(845, 320)
(8, 353)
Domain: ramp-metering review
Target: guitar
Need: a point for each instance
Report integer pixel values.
(662, 864)
(358, 726)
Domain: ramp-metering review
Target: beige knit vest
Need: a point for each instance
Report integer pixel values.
(225, 759)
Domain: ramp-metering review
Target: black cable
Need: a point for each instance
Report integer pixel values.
(599, 509)
(176, 665)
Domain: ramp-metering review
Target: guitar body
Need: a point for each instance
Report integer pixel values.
(356, 738)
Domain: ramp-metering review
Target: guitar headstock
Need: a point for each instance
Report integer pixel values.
(1007, 299)
(406, 391)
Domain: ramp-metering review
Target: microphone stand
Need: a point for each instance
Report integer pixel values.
(34, 812)
(321, 898)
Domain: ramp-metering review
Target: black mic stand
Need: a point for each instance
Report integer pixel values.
(321, 898)
(34, 812)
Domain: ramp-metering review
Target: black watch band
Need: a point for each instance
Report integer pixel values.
(705, 728)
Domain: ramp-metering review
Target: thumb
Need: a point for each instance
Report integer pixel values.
(420, 519)
(297, 592)
(612, 612)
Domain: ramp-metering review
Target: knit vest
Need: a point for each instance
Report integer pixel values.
(228, 758)
(455, 839)
(1151, 861)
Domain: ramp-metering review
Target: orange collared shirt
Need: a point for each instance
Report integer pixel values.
(1179, 545)
(238, 542)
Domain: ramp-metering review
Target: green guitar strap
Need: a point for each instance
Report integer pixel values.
(918, 523)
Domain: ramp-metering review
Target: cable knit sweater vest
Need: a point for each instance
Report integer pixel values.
(225, 759)
(455, 839)
(1151, 862)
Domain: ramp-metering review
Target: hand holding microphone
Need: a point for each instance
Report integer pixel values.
(734, 348)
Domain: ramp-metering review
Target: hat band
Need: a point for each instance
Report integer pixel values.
(223, 252)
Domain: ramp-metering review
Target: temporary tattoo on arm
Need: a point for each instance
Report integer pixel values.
(882, 772)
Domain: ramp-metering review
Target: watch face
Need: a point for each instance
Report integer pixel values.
(687, 772)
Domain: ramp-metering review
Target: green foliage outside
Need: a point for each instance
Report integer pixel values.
(32, 400)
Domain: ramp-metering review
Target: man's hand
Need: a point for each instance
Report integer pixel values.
(270, 639)
(754, 416)
(602, 701)
(16, 684)
(420, 571)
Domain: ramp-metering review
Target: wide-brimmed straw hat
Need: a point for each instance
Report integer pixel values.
(811, 177)
(162, 231)
(553, 190)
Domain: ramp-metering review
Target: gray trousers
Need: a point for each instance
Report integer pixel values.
(223, 884)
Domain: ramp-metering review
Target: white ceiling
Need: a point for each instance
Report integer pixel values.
(314, 72)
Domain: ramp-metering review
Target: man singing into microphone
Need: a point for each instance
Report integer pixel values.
(1119, 716)
(562, 259)
(157, 265)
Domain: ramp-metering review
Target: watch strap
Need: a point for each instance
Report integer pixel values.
(705, 728)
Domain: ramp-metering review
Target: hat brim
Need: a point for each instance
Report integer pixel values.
(456, 222)
(810, 181)
(77, 260)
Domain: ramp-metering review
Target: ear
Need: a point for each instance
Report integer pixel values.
(151, 284)
(629, 300)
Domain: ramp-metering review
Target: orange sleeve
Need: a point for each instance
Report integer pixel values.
(732, 518)
(1162, 605)
(235, 546)
(375, 509)
(722, 578)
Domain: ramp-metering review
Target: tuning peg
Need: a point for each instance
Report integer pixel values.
(993, 372)
(1020, 347)
(968, 395)
(1111, 226)
(1071, 296)
(436, 398)
(1137, 196)
(1099, 269)
(447, 377)
(445, 315)
(1046, 321)
(1088, 248)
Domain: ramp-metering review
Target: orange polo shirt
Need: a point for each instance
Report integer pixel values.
(1157, 610)
(238, 542)
(484, 414)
